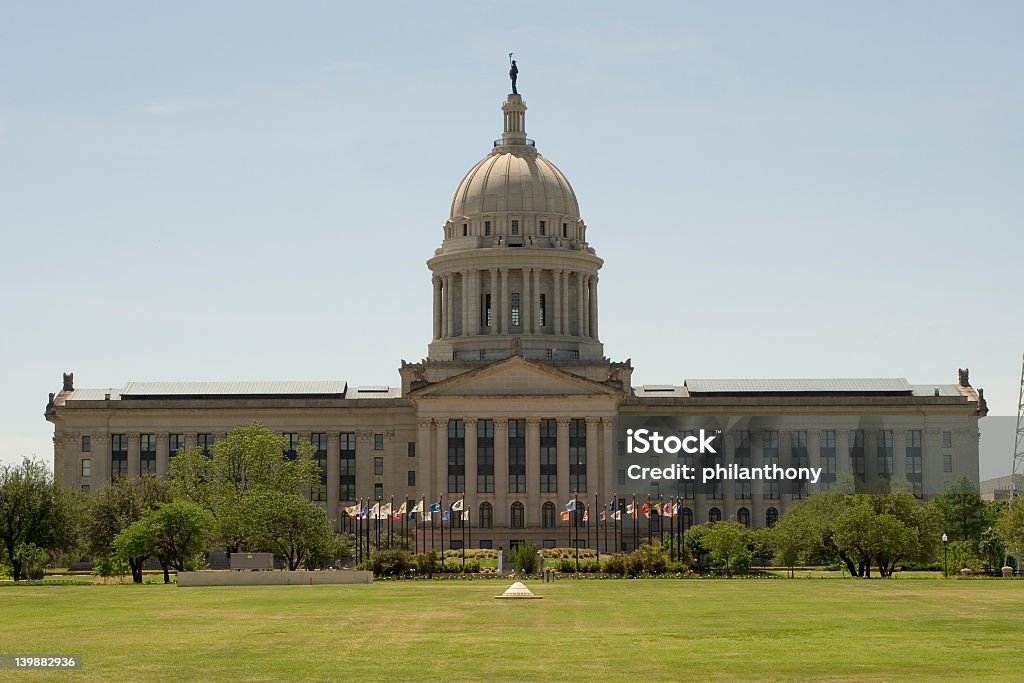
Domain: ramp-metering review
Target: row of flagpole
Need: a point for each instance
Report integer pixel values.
(367, 522)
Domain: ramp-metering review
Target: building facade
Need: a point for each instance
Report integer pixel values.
(515, 409)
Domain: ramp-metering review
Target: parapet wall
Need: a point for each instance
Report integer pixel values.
(274, 578)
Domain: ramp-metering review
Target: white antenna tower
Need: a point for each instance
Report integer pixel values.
(1018, 446)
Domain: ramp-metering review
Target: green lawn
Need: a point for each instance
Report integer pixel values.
(581, 630)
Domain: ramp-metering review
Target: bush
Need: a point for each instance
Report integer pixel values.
(524, 558)
(33, 561)
(650, 559)
(427, 564)
(394, 562)
(615, 565)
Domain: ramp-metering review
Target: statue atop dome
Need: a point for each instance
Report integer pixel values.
(513, 73)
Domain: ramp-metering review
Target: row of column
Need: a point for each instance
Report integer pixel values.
(460, 314)
(432, 473)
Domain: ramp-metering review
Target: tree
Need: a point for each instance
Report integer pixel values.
(727, 543)
(117, 506)
(36, 514)
(524, 558)
(791, 536)
(1011, 526)
(285, 524)
(962, 510)
(250, 458)
(180, 532)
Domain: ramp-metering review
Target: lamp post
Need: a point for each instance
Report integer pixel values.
(945, 556)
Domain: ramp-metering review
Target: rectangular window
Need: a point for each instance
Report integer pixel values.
(147, 454)
(348, 466)
(884, 453)
(456, 456)
(204, 442)
(319, 441)
(175, 443)
(118, 455)
(622, 477)
(741, 442)
(291, 440)
(565, 229)
(485, 456)
(915, 459)
(771, 490)
(578, 456)
(378, 491)
(378, 467)
(517, 456)
(947, 463)
(465, 229)
(828, 452)
(798, 449)
(410, 449)
(516, 302)
(378, 442)
(85, 488)
(549, 456)
(770, 442)
(86, 443)
(486, 544)
(543, 229)
(743, 490)
(410, 478)
(947, 439)
(856, 442)
(515, 227)
(487, 228)
(86, 467)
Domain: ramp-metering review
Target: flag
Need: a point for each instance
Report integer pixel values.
(631, 509)
(667, 510)
(657, 508)
(375, 511)
(419, 506)
(604, 516)
(617, 515)
(611, 505)
(457, 505)
(435, 507)
(352, 510)
(402, 510)
(397, 515)
(571, 505)
(645, 508)
(445, 517)
(364, 512)
(465, 515)
(586, 516)
(565, 515)
(385, 511)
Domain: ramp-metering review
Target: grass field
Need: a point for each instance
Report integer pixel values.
(581, 630)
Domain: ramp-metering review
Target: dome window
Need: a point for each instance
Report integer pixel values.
(515, 227)
(565, 229)
(543, 229)
(465, 229)
(487, 228)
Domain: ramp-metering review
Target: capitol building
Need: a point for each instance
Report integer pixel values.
(516, 409)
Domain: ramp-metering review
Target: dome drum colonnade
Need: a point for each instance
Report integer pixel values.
(514, 260)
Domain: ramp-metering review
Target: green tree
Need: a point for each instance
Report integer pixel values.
(36, 514)
(524, 558)
(285, 524)
(1011, 526)
(117, 506)
(180, 532)
(962, 510)
(728, 544)
(249, 459)
(791, 537)
(134, 544)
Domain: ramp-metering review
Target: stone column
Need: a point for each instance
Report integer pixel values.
(449, 297)
(525, 316)
(814, 458)
(593, 308)
(843, 464)
(134, 456)
(475, 292)
(758, 504)
(163, 440)
(579, 306)
(364, 463)
(562, 455)
(566, 327)
(437, 306)
(440, 459)
(470, 493)
(536, 301)
(555, 312)
(501, 512)
(333, 478)
(494, 301)
(609, 455)
(533, 472)
(503, 311)
(586, 306)
(100, 461)
(593, 461)
(899, 456)
(871, 455)
(424, 457)
(464, 298)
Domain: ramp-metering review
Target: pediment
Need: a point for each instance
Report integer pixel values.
(516, 376)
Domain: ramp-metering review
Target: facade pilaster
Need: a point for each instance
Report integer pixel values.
(533, 472)
(333, 477)
(501, 510)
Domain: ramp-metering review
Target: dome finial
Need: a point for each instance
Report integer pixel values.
(513, 73)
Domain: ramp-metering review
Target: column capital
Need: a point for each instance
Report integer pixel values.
(593, 420)
(441, 421)
(533, 421)
(424, 423)
(469, 421)
(563, 420)
(501, 421)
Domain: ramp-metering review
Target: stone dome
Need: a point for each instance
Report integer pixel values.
(514, 181)
(514, 177)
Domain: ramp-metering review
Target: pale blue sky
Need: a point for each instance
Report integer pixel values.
(250, 190)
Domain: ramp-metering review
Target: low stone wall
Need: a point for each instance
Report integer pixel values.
(275, 578)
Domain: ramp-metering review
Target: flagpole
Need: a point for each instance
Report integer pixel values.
(636, 525)
(359, 530)
(440, 513)
(469, 518)
(648, 519)
(576, 508)
(391, 520)
(671, 531)
(431, 513)
(463, 523)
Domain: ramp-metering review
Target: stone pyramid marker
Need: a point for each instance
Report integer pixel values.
(517, 591)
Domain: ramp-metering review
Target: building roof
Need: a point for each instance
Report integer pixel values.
(205, 389)
(798, 386)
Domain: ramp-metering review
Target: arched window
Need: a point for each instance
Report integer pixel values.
(517, 516)
(686, 518)
(714, 515)
(486, 516)
(771, 515)
(548, 515)
(743, 517)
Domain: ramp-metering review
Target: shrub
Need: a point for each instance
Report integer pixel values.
(33, 561)
(452, 566)
(566, 566)
(616, 565)
(524, 558)
(427, 564)
(394, 562)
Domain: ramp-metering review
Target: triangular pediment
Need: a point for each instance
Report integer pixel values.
(516, 376)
